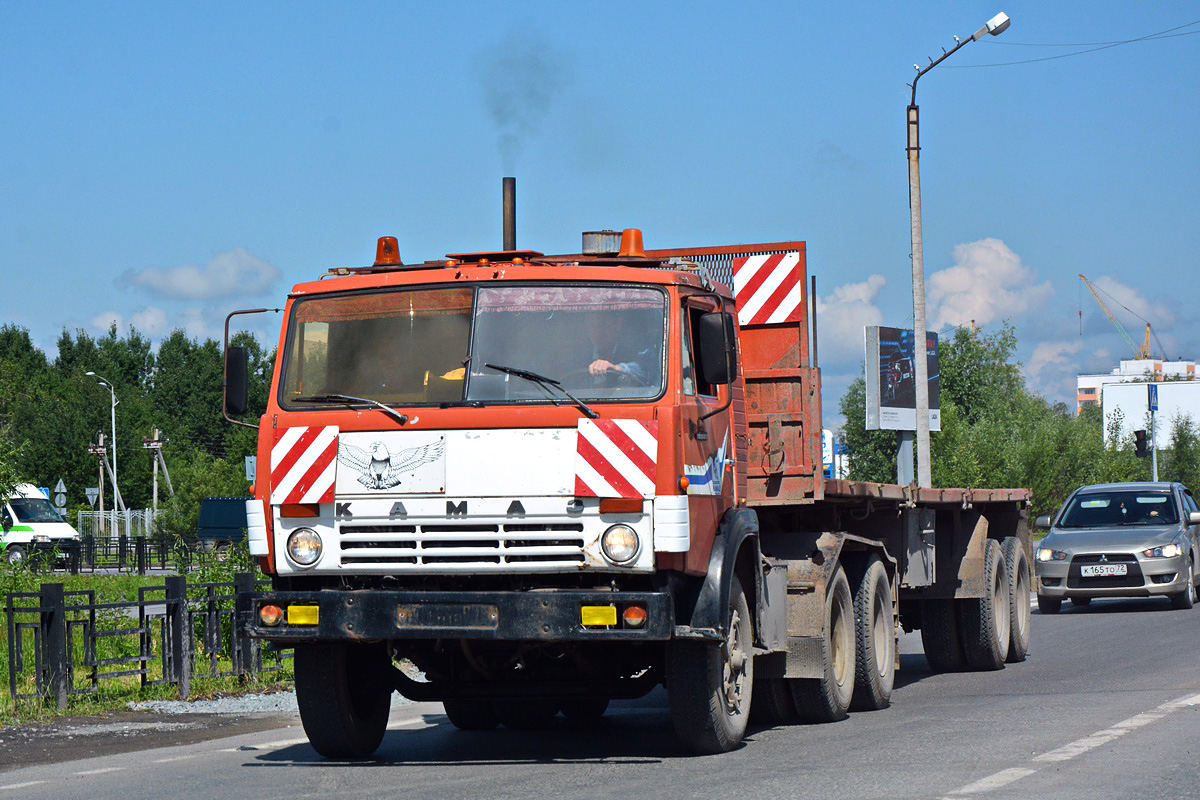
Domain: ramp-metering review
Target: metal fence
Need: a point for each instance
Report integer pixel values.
(119, 553)
(64, 643)
(100, 524)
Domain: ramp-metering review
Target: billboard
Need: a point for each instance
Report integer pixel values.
(892, 380)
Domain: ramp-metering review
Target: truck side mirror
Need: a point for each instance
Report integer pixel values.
(237, 381)
(718, 348)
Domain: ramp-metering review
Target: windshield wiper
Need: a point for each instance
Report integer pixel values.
(346, 399)
(543, 381)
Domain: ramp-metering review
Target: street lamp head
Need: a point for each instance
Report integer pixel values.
(90, 373)
(994, 26)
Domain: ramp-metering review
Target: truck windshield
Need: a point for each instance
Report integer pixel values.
(32, 509)
(433, 345)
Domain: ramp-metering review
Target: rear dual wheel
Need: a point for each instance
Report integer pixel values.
(875, 639)
(1016, 562)
(977, 633)
(827, 699)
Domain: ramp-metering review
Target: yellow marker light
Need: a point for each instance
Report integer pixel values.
(303, 615)
(593, 616)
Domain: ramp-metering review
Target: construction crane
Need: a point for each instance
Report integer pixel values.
(1144, 352)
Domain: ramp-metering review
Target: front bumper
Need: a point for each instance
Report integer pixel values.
(355, 615)
(1145, 577)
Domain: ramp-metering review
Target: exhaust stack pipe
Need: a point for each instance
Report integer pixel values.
(510, 213)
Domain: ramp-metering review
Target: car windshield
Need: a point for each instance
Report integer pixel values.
(31, 509)
(434, 345)
(1119, 507)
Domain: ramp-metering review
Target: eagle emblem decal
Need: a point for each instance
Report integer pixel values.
(380, 469)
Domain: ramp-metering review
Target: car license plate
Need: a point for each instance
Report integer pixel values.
(1102, 570)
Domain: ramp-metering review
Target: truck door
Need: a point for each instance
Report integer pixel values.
(706, 447)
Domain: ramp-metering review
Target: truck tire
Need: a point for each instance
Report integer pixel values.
(1017, 564)
(709, 686)
(940, 635)
(525, 713)
(874, 638)
(344, 697)
(827, 699)
(471, 713)
(772, 702)
(985, 628)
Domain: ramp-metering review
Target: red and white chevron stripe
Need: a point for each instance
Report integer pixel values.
(616, 458)
(304, 464)
(768, 289)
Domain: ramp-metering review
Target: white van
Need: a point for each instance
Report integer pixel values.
(29, 521)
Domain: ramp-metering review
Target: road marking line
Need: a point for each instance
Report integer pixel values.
(1077, 747)
(100, 771)
(996, 781)
(24, 785)
(173, 758)
(401, 723)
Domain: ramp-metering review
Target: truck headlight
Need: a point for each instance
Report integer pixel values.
(304, 546)
(620, 544)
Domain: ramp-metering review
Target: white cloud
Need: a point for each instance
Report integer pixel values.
(151, 321)
(1052, 368)
(987, 283)
(842, 315)
(105, 320)
(235, 272)
(1129, 306)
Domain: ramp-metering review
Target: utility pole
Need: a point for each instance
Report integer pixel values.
(155, 446)
(99, 450)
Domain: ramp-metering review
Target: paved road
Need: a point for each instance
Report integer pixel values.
(1106, 706)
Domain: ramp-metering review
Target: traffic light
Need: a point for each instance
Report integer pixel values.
(1139, 444)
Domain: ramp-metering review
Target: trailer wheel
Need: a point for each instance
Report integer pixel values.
(14, 554)
(709, 686)
(344, 696)
(471, 714)
(940, 635)
(1017, 564)
(875, 639)
(525, 713)
(772, 702)
(985, 628)
(584, 708)
(827, 699)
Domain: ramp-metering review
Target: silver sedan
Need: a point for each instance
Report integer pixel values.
(1120, 540)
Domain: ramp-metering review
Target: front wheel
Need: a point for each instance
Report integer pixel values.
(709, 686)
(14, 554)
(344, 696)
(1186, 598)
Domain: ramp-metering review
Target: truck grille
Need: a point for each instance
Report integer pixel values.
(467, 547)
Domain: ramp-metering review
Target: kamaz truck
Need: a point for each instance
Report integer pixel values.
(524, 485)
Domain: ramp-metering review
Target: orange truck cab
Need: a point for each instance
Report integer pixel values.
(523, 484)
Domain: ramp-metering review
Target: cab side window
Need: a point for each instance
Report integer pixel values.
(693, 369)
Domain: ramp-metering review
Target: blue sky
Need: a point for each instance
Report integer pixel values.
(164, 164)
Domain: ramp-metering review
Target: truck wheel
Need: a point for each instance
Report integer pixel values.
(709, 686)
(985, 629)
(1017, 564)
(1186, 598)
(344, 697)
(827, 699)
(471, 714)
(525, 713)
(584, 708)
(772, 702)
(14, 554)
(940, 635)
(1049, 605)
(875, 639)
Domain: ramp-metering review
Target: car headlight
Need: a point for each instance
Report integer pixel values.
(1047, 554)
(620, 544)
(304, 546)
(1166, 551)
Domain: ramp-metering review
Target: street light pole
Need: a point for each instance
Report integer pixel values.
(994, 26)
(107, 384)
